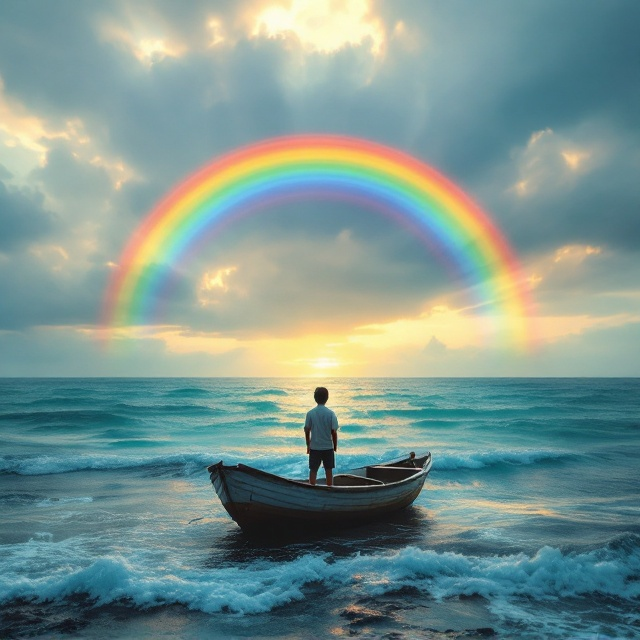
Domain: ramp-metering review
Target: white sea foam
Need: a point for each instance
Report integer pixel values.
(44, 536)
(481, 459)
(52, 464)
(506, 581)
(247, 590)
(134, 543)
(185, 463)
(191, 462)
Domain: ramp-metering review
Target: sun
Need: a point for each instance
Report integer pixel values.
(325, 364)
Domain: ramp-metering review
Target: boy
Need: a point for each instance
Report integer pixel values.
(321, 434)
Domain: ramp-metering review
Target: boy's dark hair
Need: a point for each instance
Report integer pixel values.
(321, 395)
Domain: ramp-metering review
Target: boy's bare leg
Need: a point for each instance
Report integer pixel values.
(329, 473)
(312, 476)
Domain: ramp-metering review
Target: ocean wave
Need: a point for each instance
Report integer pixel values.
(428, 411)
(180, 409)
(262, 586)
(188, 392)
(362, 440)
(66, 419)
(294, 465)
(435, 423)
(68, 392)
(177, 464)
(366, 397)
(60, 401)
(39, 500)
(353, 428)
(262, 405)
(19, 499)
(481, 459)
(271, 392)
(55, 502)
(140, 443)
(417, 413)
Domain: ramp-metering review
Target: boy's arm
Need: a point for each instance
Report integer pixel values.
(307, 437)
(334, 437)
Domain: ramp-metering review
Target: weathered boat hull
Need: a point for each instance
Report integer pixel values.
(261, 501)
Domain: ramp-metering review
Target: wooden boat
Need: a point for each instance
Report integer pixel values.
(261, 501)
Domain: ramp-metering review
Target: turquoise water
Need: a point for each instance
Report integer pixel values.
(528, 526)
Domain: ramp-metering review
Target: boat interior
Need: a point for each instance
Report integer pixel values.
(375, 475)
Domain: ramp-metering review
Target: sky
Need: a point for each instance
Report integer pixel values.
(531, 107)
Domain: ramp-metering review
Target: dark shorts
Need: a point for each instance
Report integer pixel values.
(326, 456)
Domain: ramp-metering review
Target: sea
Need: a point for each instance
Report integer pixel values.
(528, 526)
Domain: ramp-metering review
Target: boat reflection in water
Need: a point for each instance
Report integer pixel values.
(263, 502)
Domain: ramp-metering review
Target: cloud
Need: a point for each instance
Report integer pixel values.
(505, 71)
(39, 288)
(104, 108)
(73, 182)
(68, 351)
(23, 218)
(585, 279)
(578, 186)
(435, 347)
(322, 25)
(333, 274)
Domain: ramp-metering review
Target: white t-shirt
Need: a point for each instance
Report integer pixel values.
(320, 422)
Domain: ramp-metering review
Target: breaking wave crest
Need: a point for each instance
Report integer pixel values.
(173, 464)
(482, 459)
(610, 571)
(292, 465)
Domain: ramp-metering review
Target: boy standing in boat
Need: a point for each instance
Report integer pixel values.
(321, 434)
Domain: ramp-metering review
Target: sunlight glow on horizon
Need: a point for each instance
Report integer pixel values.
(440, 331)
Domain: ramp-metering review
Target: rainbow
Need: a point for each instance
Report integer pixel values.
(277, 170)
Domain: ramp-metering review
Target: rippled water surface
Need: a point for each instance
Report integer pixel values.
(528, 526)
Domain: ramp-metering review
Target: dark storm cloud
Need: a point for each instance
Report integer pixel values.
(254, 75)
(51, 60)
(602, 209)
(497, 71)
(23, 218)
(54, 59)
(66, 178)
(34, 293)
(490, 74)
(600, 284)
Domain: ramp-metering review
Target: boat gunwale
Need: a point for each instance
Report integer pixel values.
(421, 471)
